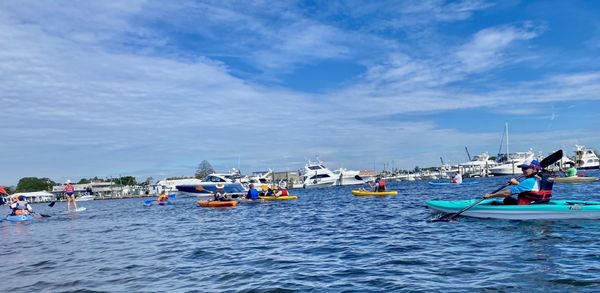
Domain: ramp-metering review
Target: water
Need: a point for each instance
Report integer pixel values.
(328, 240)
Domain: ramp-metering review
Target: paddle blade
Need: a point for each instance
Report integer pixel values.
(551, 159)
(147, 202)
(172, 195)
(52, 204)
(445, 218)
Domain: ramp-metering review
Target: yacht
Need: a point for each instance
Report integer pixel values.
(479, 165)
(508, 165)
(170, 185)
(348, 177)
(85, 197)
(258, 179)
(317, 175)
(208, 185)
(586, 158)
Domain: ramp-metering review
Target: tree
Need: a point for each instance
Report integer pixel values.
(30, 184)
(149, 181)
(204, 169)
(84, 181)
(417, 169)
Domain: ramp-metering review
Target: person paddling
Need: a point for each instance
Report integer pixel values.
(220, 195)
(571, 171)
(252, 192)
(20, 206)
(379, 185)
(282, 192)
(163, 197)
(70, 194)
(457, 179)
(536, 188)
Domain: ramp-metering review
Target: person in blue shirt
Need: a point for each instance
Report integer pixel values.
(536, 188)
(252, 192)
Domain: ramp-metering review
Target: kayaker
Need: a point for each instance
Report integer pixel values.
(20, 206)
(282, 192)
(220, 195)
(379, 185)
(571, 171)
(457, 179)
(536, 188)
(70, 194)
(252, 192)
(270, 191)
(163, 197)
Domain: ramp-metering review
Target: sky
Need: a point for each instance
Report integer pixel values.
(151, 88)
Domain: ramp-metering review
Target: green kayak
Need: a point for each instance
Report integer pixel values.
(555, 209)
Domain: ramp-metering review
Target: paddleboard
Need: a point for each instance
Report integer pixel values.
(77, 210)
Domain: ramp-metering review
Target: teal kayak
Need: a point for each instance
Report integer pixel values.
(555, 209)
(21, 218)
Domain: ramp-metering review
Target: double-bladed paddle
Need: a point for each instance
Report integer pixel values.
(549, 160)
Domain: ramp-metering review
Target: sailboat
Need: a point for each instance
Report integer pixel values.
(509, 162)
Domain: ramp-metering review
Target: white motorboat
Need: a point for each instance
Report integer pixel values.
(208, 186)
(85, 197)
(348, 177)
(479, 165)
(317, 175)
(509, 165)
(170, 185)
(586, 158)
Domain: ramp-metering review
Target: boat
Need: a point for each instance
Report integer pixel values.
(216, 203)
(452, 184)
(86, 198)
(555, 209)
(258, 179)
(358, 192)
(349, 177)
(479, 165)
(575, 179)
(510, 164)
(19, 218)
(317, 175)
(586, 158)
(287, 197)
(208, 186)
(170, 185)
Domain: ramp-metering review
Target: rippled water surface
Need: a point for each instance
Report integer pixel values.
(328, 240)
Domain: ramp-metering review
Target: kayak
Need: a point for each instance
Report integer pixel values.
(287, 197)
(555, 209)
(216, 203)
(165, 203)
(453, 184)
(574, 179)
(20, 218)
(358, 192)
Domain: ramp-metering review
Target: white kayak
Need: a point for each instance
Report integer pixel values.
(575, 179)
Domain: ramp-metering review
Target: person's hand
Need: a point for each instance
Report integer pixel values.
(488, 195)
(513, 181)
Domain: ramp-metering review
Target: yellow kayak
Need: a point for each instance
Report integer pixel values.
(289, 197)
(357, 192)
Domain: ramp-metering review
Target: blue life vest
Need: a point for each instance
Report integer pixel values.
(252, 194)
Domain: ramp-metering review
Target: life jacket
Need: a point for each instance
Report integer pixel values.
(20, 212)
(541, 196)
(252, 194)
(381, 186)
(284, 192)
(20, 208)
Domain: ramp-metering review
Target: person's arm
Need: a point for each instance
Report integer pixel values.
(503, 193)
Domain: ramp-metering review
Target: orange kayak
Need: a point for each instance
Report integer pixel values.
(216, 204)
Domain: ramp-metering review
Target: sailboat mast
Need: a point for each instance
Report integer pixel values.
(508, 151)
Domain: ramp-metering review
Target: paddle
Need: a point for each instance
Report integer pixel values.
(549, 160)
(172, 195)
(41, 215)
(52, 203)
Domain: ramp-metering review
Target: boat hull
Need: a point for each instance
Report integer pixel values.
(216, 204)
(555, 210)
(208, 189)
(288, 197)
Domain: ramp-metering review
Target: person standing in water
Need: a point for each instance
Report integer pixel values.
(70, 194)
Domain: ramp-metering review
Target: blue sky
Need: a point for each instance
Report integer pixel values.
(152, 88)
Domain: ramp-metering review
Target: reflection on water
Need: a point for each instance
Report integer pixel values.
(328, 240)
